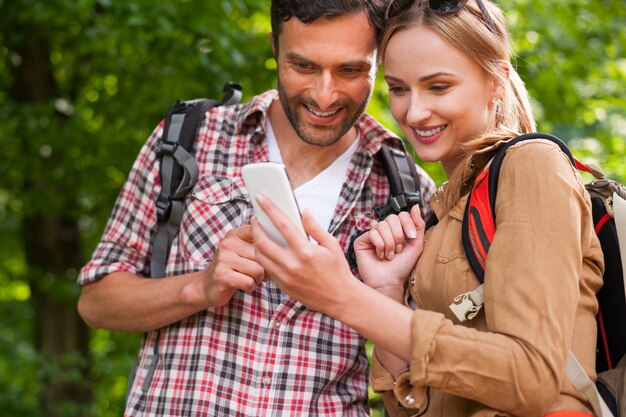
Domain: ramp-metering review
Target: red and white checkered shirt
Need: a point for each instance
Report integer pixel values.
(263, 354)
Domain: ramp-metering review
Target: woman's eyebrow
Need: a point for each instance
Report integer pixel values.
(424, 78)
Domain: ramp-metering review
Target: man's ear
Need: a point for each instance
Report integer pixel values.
(271, 38)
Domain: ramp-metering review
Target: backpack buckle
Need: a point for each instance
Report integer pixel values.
(413, 199)
(398, 203)
(163, 208)
(467, 305)
(167, 148)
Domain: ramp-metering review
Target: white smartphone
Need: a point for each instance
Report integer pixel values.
(270, 179)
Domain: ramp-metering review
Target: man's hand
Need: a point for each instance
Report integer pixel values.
(233, 268)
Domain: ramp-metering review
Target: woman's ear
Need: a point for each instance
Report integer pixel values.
(499, 82)
(506, 69)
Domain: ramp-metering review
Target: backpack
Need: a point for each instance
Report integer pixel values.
(179, 171)
(179, 174)
(609, 215)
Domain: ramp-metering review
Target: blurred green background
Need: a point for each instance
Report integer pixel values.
(82, 84)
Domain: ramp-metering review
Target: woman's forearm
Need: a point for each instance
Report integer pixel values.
(378, 318)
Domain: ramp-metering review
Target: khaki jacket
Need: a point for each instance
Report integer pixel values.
(543, 271)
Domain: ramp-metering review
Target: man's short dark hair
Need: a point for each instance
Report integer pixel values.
(308, 11)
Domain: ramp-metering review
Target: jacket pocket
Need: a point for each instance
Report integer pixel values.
(217, 205)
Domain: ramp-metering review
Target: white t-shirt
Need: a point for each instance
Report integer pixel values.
(321, 193)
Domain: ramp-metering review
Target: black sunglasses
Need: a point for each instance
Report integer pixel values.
(396, 7)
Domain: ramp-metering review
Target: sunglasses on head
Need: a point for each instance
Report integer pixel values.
(397, 7)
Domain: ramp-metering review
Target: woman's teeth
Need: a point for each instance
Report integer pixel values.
(429, 132)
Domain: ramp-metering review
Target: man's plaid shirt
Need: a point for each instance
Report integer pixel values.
(264, 354)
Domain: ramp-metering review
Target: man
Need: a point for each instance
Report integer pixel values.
(220, 339)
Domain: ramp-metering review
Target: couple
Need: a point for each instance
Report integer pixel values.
(222, 340)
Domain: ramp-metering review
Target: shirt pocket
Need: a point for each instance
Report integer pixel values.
(217, 204)
(443, 272)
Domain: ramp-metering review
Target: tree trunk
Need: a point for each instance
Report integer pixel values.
(53, 254)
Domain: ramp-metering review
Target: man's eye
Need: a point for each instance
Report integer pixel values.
(351, 71)
(303, 66)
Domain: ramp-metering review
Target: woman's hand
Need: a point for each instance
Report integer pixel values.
(320, 278)
(316, 275)
(387, 253)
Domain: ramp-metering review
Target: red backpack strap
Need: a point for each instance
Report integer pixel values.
(479, 221)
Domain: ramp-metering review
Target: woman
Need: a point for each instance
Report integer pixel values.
(457, 99)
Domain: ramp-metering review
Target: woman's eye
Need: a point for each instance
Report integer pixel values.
(396, 89)
(439, 88)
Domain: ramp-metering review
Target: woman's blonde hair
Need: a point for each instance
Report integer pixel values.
(468, 31)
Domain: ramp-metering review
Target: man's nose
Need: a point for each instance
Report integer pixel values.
(325, 94)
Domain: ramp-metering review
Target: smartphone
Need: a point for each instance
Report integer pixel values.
(270, 179)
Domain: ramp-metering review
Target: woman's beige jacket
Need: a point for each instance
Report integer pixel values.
(543, 270)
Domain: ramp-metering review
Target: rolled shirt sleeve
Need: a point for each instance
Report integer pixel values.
(125, 243)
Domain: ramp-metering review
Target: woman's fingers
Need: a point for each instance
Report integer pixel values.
(418, 221)
(378, 242)
(408, 226)
(285, 226)
(390, 235)
(264, 244)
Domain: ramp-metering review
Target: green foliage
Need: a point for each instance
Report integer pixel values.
(113, 356)
(572, 55)
(116, 66)
(18, 359)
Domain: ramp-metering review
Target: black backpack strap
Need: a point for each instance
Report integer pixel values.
(431, 221)
(179, 171)
(404, 182)
(404, 190)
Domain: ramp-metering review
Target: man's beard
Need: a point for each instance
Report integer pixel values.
(317, 134)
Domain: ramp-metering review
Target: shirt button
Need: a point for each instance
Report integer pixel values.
(409, 399)
(277, 324)
(266, 380)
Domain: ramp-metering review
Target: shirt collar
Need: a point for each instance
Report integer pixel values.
(255, 112)
(373, 135)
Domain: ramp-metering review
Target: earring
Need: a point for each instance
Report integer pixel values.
(494, 100)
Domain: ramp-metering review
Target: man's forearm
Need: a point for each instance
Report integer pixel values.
(123, 301)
